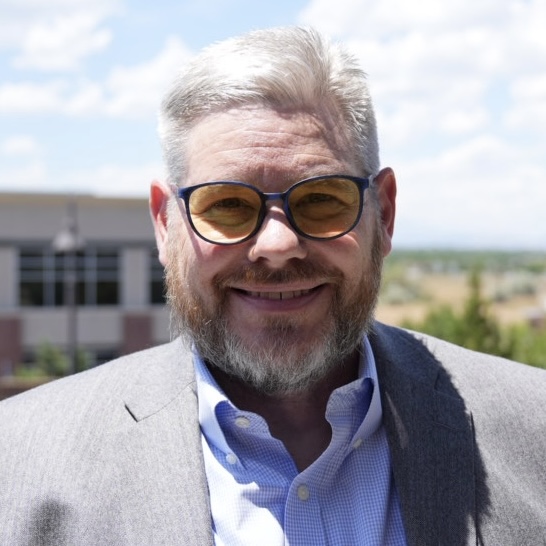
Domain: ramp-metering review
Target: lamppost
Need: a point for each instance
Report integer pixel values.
(68, 242)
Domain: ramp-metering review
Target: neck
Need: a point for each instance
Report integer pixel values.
(298, 419)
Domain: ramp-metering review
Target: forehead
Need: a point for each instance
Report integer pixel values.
(261, 145)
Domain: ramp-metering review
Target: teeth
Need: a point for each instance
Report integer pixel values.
(279, 295)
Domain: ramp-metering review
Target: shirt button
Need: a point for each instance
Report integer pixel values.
(357, 443)
(231, 458)
(303, 492)
(242, 422)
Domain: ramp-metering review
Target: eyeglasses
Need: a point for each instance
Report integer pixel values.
(322, 208)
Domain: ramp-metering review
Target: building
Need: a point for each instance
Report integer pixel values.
(117, 278)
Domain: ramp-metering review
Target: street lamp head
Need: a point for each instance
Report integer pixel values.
(68, 239)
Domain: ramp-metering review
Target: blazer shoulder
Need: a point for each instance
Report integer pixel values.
(489, 385)
(111, 455)
(415, 351)
(165, 367)
(485, 371)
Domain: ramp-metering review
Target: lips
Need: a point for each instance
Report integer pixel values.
(278, 295)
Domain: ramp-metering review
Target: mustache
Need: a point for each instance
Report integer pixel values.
(292, 272)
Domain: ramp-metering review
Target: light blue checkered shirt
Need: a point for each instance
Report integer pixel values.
(346, 497)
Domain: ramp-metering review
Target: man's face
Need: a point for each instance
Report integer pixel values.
(278, 311)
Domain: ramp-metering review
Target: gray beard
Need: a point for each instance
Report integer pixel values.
(279, 366)
(276, 363)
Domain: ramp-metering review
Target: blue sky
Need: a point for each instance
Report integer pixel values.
(459, 90)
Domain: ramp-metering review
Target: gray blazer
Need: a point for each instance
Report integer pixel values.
(112, 456)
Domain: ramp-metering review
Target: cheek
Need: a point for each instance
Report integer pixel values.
(358, 256)
(201, 262)
(349, 253)
(181, 264)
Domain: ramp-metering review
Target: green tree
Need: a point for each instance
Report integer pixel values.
(528, 344)
(480, 330)
(474, 327)
(51, 361)
(83, 360)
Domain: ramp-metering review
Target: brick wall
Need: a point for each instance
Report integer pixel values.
(10, 345)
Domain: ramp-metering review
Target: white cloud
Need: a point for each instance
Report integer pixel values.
(107, 179)
(32, 98)
(131, 92)
(450, 53)
(26, 24)
(463, 121)
(20, 145)
(389, 19)
(134, 92)
(483, 192)
(30, 177)
(62, 43)
(115, 180)
(529, 111)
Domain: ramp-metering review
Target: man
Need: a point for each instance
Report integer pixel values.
(281, 413)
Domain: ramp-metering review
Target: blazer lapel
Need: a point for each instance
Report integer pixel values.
(162, 472)
(431, 441)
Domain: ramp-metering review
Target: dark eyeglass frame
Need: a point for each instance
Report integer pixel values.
(361, 183)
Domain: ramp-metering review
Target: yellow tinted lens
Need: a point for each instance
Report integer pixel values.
(224, 212)
(325, 207)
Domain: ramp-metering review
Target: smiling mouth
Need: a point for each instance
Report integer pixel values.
(278, 295)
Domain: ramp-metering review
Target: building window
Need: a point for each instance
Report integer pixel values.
(31, 277)
(157, 284)
(43, 276)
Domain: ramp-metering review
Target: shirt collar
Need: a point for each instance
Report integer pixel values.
(210, 394)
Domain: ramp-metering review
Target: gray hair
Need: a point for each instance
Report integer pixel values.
(278, 68)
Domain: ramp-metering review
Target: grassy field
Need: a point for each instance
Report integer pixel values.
(416, 281)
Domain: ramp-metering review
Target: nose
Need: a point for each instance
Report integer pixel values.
(276, 242)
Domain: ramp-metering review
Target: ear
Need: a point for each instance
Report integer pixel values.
(159, 198)
(385, 183)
